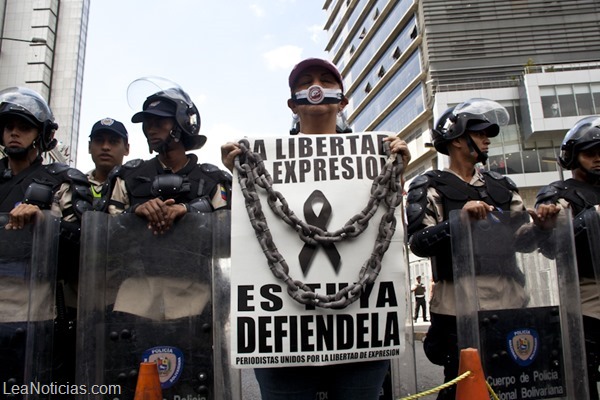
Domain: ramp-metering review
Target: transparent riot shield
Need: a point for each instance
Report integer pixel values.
(402, 379)
(592, 224)
(517, 302)
(27, 291)
(227, 379)
(146, 297)
(589, 283)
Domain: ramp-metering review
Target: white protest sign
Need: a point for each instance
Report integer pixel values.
(325, 179)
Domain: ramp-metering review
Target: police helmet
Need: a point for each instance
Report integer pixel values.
(472, 115)
(584, 135)
(164, 98)
(30, 106)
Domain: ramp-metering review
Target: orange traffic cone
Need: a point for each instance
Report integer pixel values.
(148, 384)
(473, 386)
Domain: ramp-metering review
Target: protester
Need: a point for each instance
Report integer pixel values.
(317, 97)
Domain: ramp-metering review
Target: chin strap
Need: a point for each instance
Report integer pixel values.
(162, 147)
(481, 156)
(20, 153)
(318, 95)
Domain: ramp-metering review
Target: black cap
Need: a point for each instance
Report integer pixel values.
(314, 62)
(109, 125)
(159, 108)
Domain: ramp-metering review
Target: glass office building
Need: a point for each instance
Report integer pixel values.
(406, 61)
(42, 47)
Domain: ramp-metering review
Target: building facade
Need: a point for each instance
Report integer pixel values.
(42, 47)
(406, 61)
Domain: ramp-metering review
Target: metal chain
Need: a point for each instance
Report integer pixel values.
(386, 187)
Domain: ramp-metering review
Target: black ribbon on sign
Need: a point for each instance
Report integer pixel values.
(308, 252)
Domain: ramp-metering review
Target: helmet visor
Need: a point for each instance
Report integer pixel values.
(142, 89)
(487, 110)
(18, 100)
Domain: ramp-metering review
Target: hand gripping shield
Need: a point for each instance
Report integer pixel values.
(519, 304)
(148, 298)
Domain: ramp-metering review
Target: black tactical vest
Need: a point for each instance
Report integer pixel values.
(146, 180)
(581, 196)
(455, 193)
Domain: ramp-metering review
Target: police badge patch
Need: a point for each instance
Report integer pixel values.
(107, 121)
(169, 361)
(523, 346)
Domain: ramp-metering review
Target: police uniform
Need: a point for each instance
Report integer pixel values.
(581, 198)
(431, 198)
(200, 187)
(95, 186)
(420, 302)
(65, 191)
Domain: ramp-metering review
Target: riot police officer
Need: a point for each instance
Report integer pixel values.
(173, 183)
(28, 186)
(580, 153)
(463, 133)
(161, 191)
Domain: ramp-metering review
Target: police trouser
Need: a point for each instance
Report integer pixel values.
(420, 302)
(129, 337)
(441, 348)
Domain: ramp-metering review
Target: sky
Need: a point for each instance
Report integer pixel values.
(232, 57)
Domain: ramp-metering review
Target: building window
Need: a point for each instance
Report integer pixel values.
(414, 135)
(376, 13)
(596, 97)
(549, 102)
(570, 100)
(363, 33)
(397, 53)
(415, 173)
(566, 101)
(368, 88)
(508, 154)
(583, 99)
(414, 33)
(497, 164)
(513, 163)
(381, 72)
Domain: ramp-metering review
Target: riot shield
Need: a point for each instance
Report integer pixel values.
(589, 284)
(517, 302)
(146, 297)
(592, 223)
(27, 291)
